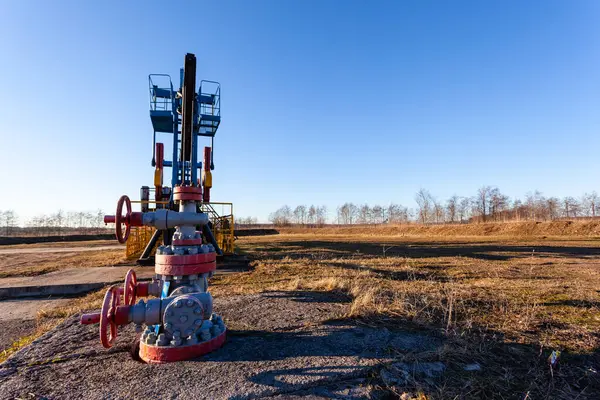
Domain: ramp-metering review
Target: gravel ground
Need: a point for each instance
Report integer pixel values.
(17, 317)
(12, 331)
(280, 345)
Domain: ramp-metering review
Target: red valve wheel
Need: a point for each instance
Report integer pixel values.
(130, 292)
(123, 219)
(107, 320)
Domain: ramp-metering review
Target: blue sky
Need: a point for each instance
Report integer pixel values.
(323, 102)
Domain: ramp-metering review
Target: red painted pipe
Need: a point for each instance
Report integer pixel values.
(142, 289)
(133, 219)
(121, 316)
(160, 155)
(136, 219)
(88, 319)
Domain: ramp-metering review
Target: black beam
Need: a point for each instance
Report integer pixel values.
(187, 118)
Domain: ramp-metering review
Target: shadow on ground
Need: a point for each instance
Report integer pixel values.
(296, 343)
(494, 252)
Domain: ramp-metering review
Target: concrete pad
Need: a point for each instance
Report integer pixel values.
(67, 281)
(281, 344)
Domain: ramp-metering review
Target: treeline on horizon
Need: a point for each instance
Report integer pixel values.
(487, 205)
(58, 222)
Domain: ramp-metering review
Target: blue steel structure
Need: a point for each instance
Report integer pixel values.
(187, 115)
(166, 116)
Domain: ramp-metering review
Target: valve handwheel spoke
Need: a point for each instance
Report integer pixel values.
(107, 320)
(123, 219)
(130, 292)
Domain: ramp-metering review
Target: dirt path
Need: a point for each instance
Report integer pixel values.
(41, 250)
(301, 346)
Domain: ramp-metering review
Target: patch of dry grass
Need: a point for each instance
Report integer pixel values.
(502, 303)
(512, 229)
(13, 265)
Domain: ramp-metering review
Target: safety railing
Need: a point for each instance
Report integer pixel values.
(211, 89)
(222, 224)
(161, 96)
(138, 239)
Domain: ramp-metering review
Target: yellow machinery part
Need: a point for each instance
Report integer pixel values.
(158, 177)
(207, 179)
(137, 241)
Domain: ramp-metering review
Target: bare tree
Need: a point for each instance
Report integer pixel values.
(397, 214)
(424, 202)
(9, 221)
(99, 218)
(300, 214)
(481, 201)
(312, 214)
(378, 214)
(321, 215)
(452, 208)
(364, 214)
(438, 211)
(535, 203)
(58, 220)
(553, 207)
(347, 213)
(571, 207)
(281, 217)
(463, 208)
(498, 204)
(589, 204)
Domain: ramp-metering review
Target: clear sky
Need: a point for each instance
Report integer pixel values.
(322, 101)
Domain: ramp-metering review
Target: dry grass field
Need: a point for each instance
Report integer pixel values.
(501, 297)
(505, 300)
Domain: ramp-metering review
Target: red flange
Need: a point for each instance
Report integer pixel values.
(191, 193)
(186, 242)
(165, 259)
(164, 354)
(185, 265)
(186, 269)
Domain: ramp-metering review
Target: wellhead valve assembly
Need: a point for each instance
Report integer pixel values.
(176, 321)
